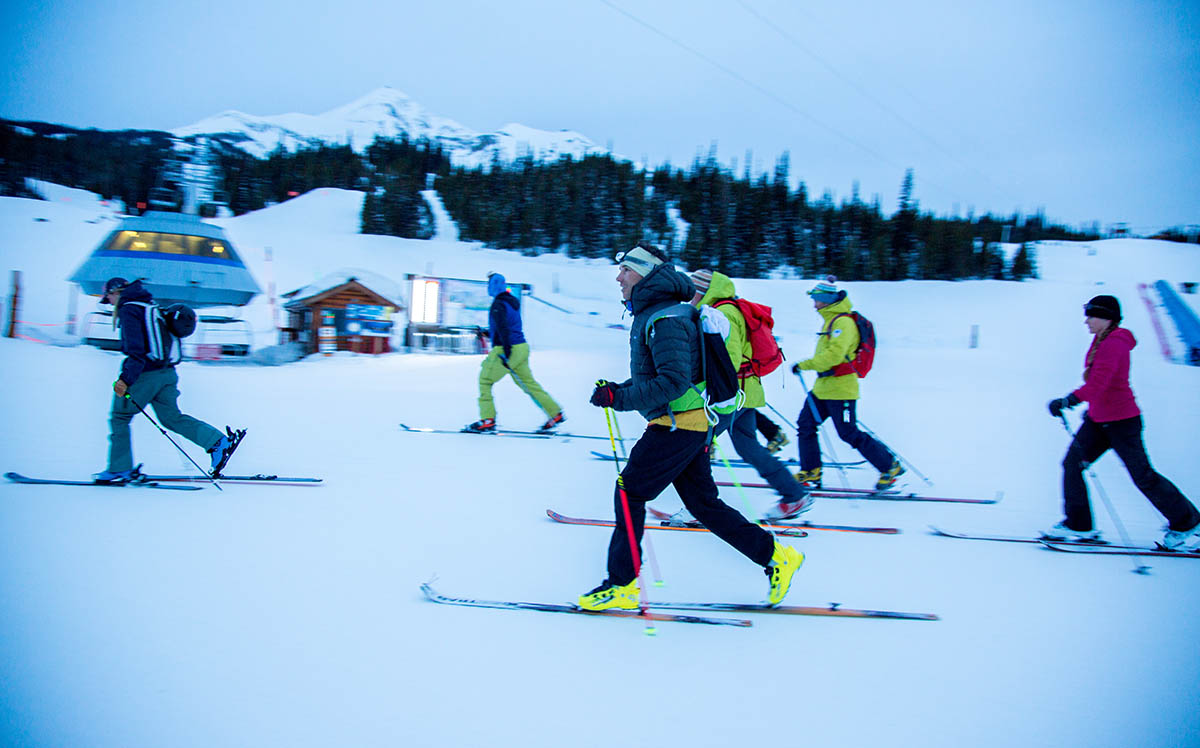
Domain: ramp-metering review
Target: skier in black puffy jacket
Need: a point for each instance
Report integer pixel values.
(664, 363)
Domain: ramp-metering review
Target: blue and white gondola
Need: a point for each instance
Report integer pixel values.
(179, 258)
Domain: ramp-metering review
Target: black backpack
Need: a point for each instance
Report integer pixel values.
(180, 320)
(717, 372)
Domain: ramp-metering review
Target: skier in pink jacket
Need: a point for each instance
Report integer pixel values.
(1114, 421)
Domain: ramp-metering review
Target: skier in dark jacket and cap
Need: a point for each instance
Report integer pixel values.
(509, 355)
(148, 377)
(665, 363)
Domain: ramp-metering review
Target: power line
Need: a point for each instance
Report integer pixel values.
(864, 93)
(765, 92)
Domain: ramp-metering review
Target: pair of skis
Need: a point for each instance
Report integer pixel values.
(871, 494)
(142, 482)
(788, 531)
(503, 432)
(655, 611)
(167, 481)
(742, 463)
(256, 478)
(1097, 547)
(670, 522)
(675, 519)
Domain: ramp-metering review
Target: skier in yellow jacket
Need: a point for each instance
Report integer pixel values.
(717, 290)
(836, 395)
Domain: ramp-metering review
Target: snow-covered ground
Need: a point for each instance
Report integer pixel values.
(272, 615)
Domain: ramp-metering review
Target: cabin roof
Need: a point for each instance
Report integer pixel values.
(387, 291)
(338, 294)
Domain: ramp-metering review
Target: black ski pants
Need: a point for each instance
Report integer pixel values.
(1125, 438)
(663, 457)
(843, 412)
(768, 428)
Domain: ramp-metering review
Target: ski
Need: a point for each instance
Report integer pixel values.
(642, 615)
(18, 478)
(259, 478)
(1019, 539)
(743, 463)
(503, 432)
(853, 491)
(781, 526)
(1102, 550)
(833, 610)
(789, 531)
(870, 494)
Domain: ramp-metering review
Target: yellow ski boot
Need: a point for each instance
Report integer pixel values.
(784, 563)
(609, 595)
(810, 479)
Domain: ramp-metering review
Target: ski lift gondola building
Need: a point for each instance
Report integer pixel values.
(178, 257)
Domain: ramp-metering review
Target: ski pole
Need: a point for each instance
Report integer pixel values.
(1138, 566)
(737, 484)
(633, 544)
(620, 438)
(164, 433)
(789, 420)
(812, 405)
(899, 456)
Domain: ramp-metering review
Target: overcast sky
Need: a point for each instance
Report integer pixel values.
(1088, 110)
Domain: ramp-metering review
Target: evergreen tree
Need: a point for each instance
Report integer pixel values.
(904, 240)
(1023, 265)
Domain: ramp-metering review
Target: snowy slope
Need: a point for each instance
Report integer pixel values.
(269, 615)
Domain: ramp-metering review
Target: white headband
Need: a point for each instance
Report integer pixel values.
(638, 260)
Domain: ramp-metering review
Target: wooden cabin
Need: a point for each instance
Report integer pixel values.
(348, 316)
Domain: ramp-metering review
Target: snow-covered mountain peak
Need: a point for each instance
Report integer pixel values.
(390, 113)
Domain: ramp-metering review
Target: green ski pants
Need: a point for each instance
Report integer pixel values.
(159, 388)
(493, 370)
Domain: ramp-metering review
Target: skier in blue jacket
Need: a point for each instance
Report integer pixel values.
(509, 356)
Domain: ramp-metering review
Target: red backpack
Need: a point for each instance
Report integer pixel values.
(864, 355)
(765, 356)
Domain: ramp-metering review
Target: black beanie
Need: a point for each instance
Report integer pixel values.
(1103, 307)
(112, 284)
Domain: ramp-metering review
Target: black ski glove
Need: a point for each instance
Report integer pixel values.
(1058, 405)
(604, 395)
(507, 353)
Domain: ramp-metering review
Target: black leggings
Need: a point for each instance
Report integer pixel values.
(1125, 438)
